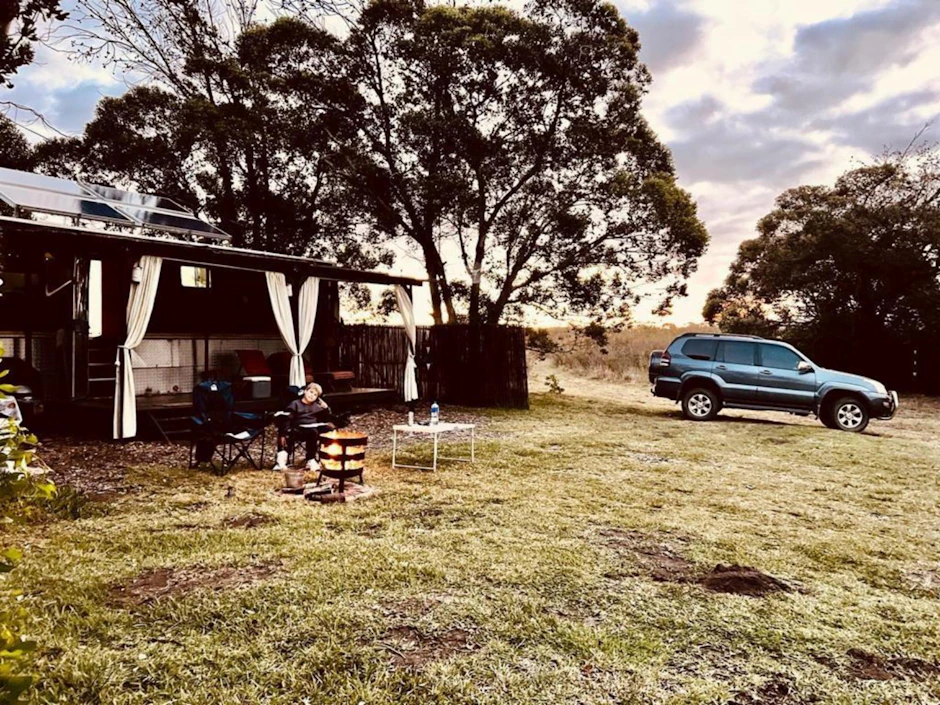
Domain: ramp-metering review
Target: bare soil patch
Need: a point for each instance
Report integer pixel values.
(871, 667)
(743, 580)
(160, 583)
(248, 521)
(411, 648)
(773, 692)
(97, 468)
(660, 560)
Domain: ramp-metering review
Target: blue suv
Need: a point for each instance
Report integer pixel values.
(706, 372)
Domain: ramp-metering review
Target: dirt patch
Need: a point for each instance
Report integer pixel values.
(743, 580)
(248, 521)
(871, 667)
(411, 648)
(98, 468)
(657, 557)
(160, 583)
(773, 692)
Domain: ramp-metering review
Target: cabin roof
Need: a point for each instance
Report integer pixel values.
(90, 241)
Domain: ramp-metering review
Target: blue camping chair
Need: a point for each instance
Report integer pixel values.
(221, 436)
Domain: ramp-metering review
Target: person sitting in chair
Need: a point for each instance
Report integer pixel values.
(306, 418)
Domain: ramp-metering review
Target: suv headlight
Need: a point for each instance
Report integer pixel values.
(879, 387)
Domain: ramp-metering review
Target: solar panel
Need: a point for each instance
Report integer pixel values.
(27, 179)
(165, 220)
(129, 198)
(61, 204)
(47, 194)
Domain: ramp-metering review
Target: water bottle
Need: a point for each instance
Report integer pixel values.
(435, 413)
(411, 418)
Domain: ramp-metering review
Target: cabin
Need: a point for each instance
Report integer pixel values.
(120, 303)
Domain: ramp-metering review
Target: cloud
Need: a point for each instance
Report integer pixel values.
(64, 92)
(838, 58)
(724, 147)
(669, 35)
(890, 124)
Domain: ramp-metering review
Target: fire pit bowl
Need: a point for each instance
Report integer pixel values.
(343, 455)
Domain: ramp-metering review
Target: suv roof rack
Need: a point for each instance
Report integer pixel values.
(720, 335)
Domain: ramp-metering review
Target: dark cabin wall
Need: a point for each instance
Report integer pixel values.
(236, 303)
(29, 306)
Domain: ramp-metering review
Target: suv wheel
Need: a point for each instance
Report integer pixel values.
(849, 414)
(700, 404)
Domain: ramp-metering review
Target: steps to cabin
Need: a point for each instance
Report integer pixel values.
(101, 369)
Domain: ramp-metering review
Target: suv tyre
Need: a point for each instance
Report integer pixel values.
(700, 404)
(849, 414)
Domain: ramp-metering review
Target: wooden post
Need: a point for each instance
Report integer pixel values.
(27, 325)
(80, 295)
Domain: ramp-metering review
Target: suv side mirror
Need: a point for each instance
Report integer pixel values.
(803, 367)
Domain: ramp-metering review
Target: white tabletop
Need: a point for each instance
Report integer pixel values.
(436, 428)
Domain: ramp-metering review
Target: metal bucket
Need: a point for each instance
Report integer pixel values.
(294, 479)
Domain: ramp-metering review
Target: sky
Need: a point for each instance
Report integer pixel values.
(752, 96)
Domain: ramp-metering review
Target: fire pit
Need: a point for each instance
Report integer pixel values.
(342, 455)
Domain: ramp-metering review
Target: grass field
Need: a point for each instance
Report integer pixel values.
(573, 563)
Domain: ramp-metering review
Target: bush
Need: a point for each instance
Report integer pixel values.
(18, 488)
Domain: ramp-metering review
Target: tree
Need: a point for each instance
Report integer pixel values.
(19, 30)
(241, 128)
(515, 140)
(845, 270)
(15, 152)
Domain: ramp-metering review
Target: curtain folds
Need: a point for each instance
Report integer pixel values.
(139, 307)
(306, 311)
(406, 307)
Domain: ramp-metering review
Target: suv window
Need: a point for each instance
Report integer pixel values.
(738, 353)
(778, 357)
(699, 349)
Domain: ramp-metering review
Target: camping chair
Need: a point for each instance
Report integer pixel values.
(282, 421)
(220, 435)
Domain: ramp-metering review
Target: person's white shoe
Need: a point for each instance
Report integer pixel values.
(313, 465)
(280, 462)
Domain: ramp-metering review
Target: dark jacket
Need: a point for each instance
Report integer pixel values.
(302, 414)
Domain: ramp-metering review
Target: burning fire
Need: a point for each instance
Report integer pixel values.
(331, 457)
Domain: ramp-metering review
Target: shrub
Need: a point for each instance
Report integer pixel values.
(17, 486)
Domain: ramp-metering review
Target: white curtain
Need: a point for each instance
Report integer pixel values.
(306, 310)
(406, 307)
(139, 307)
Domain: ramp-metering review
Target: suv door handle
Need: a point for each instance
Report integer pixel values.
(766, 372)
(721, 367)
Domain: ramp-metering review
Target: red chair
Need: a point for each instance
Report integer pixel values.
(255, 374)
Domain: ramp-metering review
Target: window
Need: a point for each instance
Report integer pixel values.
(700, 349)
(195, 277)
(779, 357)
(12, 282)
(738, 353)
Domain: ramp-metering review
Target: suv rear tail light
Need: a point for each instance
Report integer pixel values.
(665, 359)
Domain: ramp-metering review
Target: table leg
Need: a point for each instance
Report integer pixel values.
(394, 445)
(434, 464)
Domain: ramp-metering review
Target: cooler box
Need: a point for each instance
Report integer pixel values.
(258, 387)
